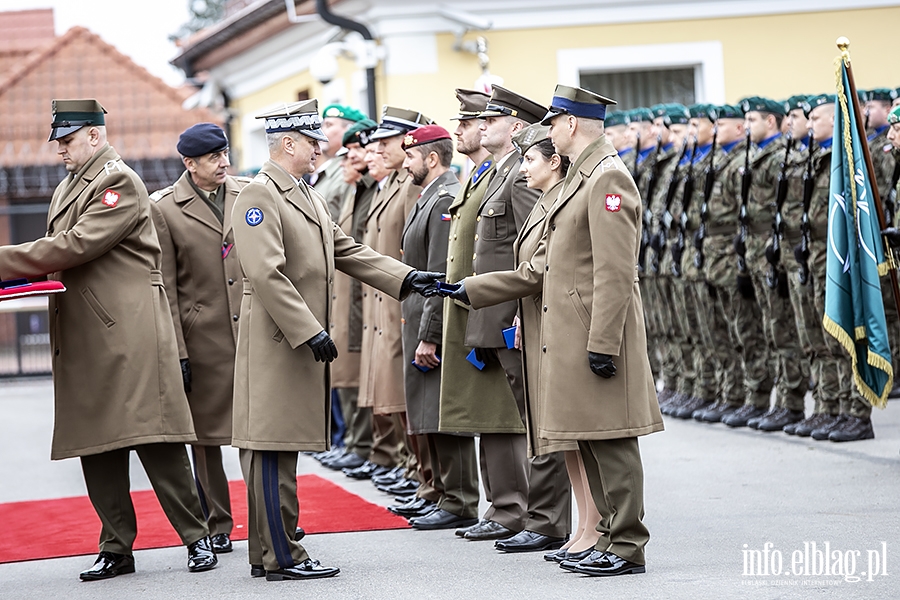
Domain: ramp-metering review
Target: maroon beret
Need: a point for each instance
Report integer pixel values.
(425, 134)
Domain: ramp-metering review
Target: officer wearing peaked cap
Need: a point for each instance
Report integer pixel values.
(591, 302)
(425, 239)
(282, 388)
(503, 209)
(111, 393)
(201, 269)
(381, 360)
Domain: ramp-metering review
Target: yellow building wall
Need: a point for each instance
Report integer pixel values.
(774, 55)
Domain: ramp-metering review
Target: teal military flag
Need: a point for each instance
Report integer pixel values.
(854, 309)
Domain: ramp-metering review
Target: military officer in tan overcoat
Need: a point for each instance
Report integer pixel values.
(203, 277)
(381, 368)
(502, 211)
(290, 249)
(429, 151)
(117, 384)
(592, 306)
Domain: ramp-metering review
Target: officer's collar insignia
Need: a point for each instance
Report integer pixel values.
(478, 173)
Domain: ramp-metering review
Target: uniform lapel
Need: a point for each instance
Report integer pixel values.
(501, 173)
(295, 194)
(81, 181)
(192, 205)
(231, 193)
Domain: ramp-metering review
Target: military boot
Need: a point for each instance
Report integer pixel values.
(688, 408)
(775, 411)
(740, 417)
(853, 429)
(805, 427)
(779, 421)
(717, 412)
(827, 426)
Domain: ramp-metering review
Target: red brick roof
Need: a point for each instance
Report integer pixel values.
(21, 32)
(145, 114)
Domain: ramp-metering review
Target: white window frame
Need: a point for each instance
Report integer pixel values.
(705, 57)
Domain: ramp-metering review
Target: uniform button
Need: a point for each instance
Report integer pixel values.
(235, 318)
(476, 237)
(379, 229)
(478, 218)
(454, 236)
(547, 268)
(490, 211)
(365, 326)
(474, 273)
(365, 294)
(544, 349)
(56, 352)
(333, 297)
(473, 257)
(231, 282)
(545, 308)
(451, 259)
(56, 311)
(553, 226)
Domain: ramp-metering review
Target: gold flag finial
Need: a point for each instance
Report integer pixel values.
(843, 45)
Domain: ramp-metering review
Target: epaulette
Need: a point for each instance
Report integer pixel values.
(442, 191)
(112, 165)
(159, 194)
(243, 179)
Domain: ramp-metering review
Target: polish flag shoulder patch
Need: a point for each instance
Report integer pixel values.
(613, 202)
(111, 198)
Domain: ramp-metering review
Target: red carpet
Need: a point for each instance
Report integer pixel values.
(70, 527)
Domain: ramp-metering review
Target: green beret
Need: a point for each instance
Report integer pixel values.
(343, 111)
(795, 102)
(619, 117)
(895, 93)
(894, 115)
(640, 115)
(759, 104)
(672, 113)
(729, 111)
(351, 136)
(880, 94)
(816, 101)
(703, 111)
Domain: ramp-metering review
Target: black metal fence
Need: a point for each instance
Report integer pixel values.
(24, 338)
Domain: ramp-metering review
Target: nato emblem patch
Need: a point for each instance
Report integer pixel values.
(254, 216)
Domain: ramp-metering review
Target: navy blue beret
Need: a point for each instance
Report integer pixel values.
(201, 139)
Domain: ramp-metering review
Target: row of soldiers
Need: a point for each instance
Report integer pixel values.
(733, 258)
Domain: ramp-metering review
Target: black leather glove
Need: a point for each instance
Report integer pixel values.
(423, 283)
(186, 374)
(892, 235)
(461, 294)
(602, 364)
(323, 347)
(745, 286)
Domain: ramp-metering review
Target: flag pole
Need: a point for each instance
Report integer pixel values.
(843, 45)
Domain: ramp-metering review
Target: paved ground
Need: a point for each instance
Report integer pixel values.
(713, 495)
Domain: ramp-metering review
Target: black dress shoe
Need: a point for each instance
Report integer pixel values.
(441, 519)
(412, 508)
(461, 532)
(108, 565)
(779, 421)
(221, 543)
(201, 556)
(489, 530)
(556, 556)
(364, 471)
(390, 477)
(529, 541)
(299, 534)
(606, 564)
(257, 571)
(351, 460)
(571, 559)
(329, 455)
(404, 485)
(308, 569)
(853, 430)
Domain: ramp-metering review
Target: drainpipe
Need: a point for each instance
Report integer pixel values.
(329, 17)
